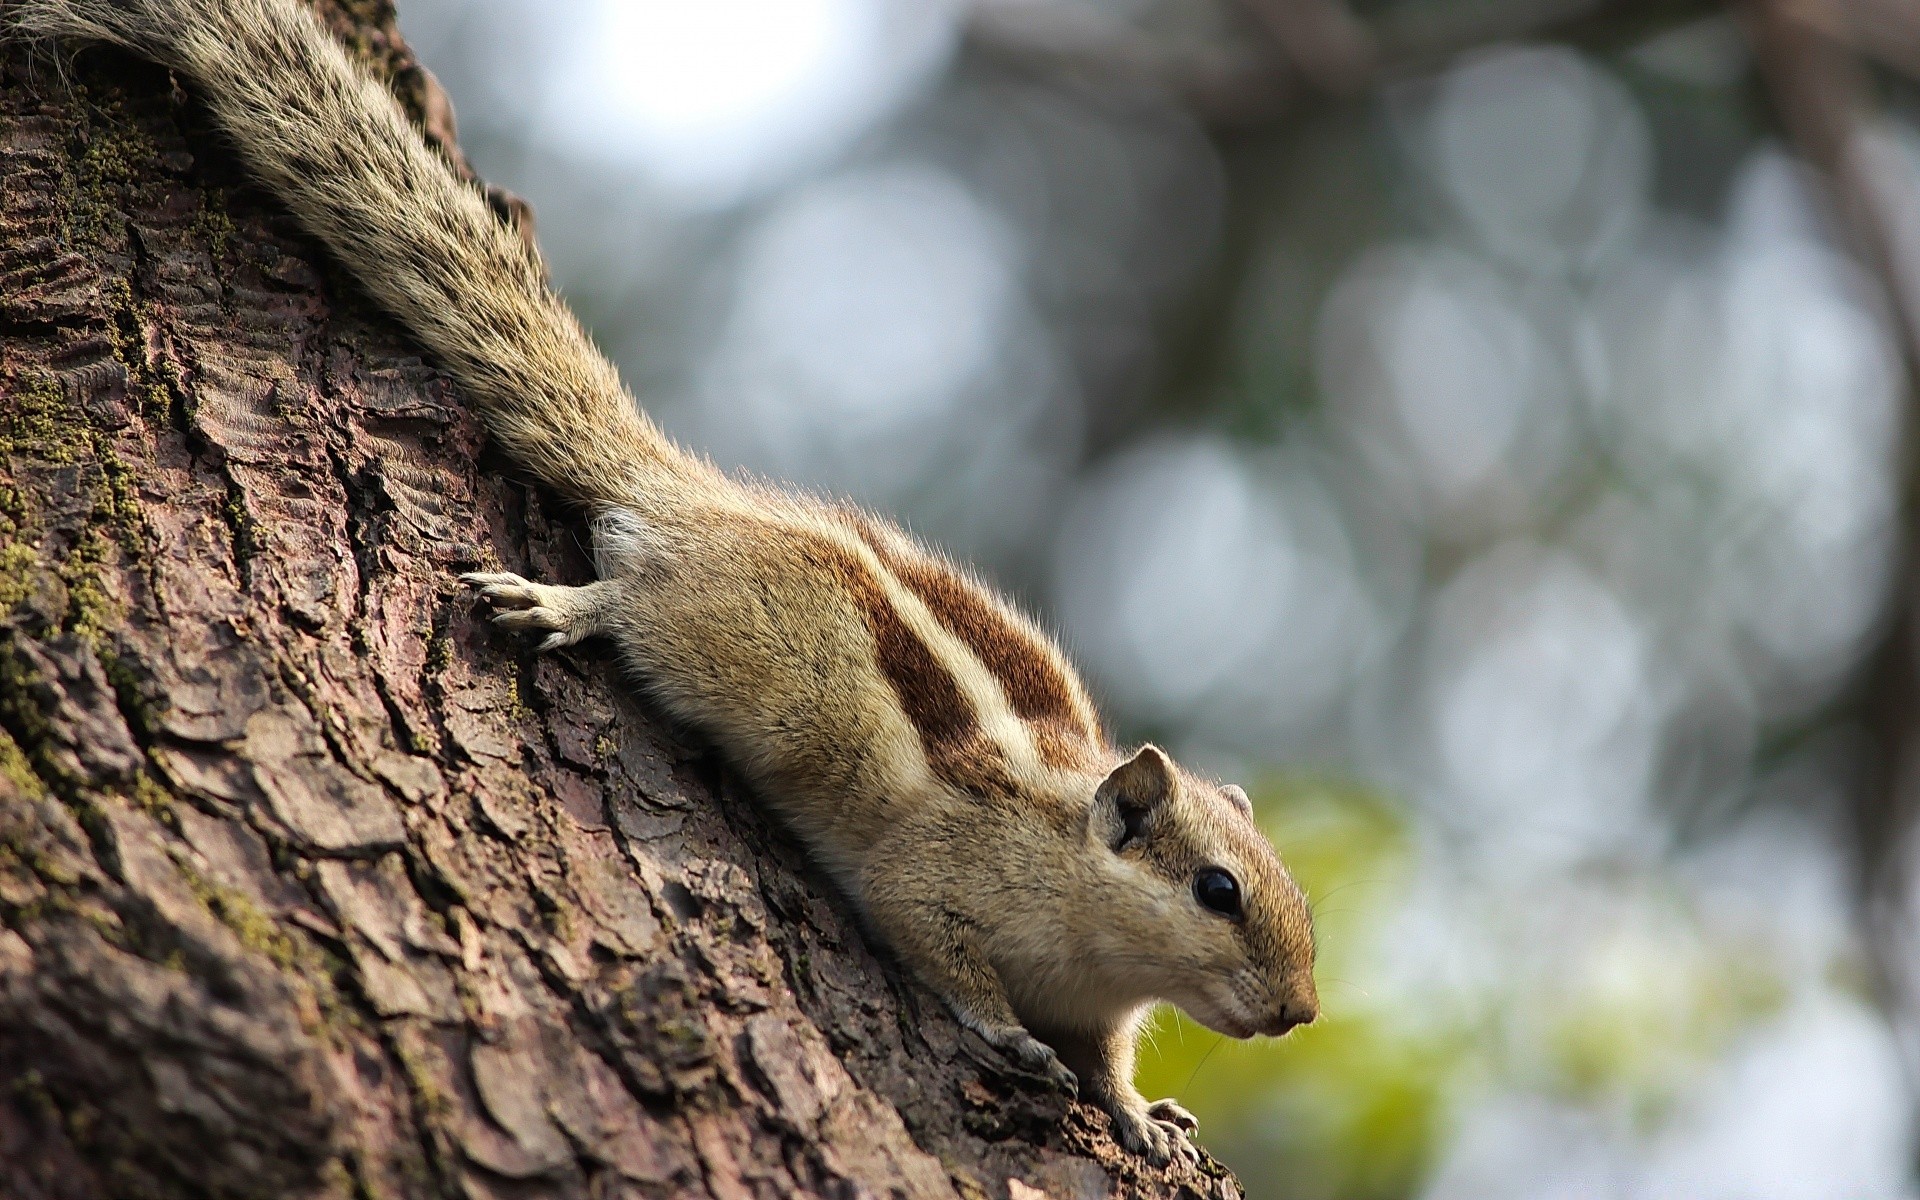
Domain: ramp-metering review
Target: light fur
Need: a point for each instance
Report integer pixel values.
(929, 745)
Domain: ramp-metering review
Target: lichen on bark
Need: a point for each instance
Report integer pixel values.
(310, 883)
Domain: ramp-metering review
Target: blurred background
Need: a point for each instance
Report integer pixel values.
(1476, 424)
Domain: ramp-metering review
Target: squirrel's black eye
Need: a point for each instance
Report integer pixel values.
(1217, 890)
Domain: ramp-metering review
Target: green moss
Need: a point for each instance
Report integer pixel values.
(17, 562)
(428, 1098)
(37, 421)
(320, 969)
(964, 1180)
(337, 1180)
(15, 869)
(108, 151)
(42, 423)
(26, 729)
(121, 507)
(127, 343)
(212, 222)
(151, 387)
(153, 800)
(92, 612)
(131, 697)
(688, 1037)
(81, 1121)
(104, 922)
(439, 652)
(559, 917)
(21, 851)
(30, 1089)
(34, 860)
(255, 929)
(13, 507)
(113, 157)
(166, 388)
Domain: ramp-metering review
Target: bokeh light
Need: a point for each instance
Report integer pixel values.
(716, 98)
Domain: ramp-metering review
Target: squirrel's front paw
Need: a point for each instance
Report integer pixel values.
(1155, 1137)
(526, 607)
(1034, 1055)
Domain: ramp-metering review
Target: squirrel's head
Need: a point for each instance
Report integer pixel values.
(1195, 874)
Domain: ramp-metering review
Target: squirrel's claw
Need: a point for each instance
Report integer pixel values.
(527, 607)
(1038, 1057)
(1060, 1076)
(485, 581)
(1173, 1114)
(1034, 1055)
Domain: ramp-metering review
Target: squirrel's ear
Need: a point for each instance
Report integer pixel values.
(1237, 796)
(1124, 803)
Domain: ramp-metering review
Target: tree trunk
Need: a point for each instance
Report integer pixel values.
(310, 882)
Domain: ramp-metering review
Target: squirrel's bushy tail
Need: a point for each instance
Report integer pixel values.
(333, 144)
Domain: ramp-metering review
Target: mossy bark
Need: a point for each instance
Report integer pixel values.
(310, 883)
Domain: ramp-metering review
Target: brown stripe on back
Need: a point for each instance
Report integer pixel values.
(1063, 745)
(957, 749)
(1035, 685)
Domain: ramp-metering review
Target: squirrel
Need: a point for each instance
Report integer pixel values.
(929, 746)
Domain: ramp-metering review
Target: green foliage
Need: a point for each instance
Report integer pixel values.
(1642, 1017)
(1358, 1105)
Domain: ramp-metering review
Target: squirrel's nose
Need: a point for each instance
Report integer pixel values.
(1289, 1016)
(1301, 1007)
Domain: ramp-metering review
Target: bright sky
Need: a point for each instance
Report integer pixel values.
(717, 98)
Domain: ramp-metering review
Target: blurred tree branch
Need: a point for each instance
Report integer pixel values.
(1320, 47)
(1822, 94)
(1328, 46)
(1309, 48)
(1886, 31)
(1809, 55)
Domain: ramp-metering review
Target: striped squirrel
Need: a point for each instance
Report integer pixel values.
(929, 746)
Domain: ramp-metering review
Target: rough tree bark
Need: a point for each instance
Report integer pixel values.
(310, 883)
